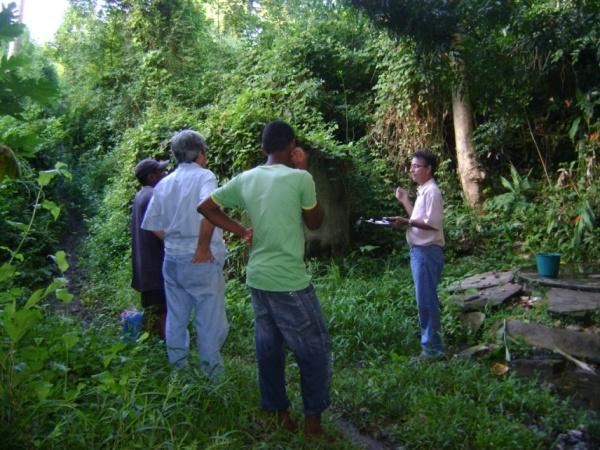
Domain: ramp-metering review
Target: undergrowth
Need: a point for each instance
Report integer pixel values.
(65, 386)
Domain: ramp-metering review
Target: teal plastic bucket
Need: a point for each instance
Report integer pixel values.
(548, 264)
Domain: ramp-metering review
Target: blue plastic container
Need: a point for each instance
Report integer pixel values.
(132, 325)
(548, 264)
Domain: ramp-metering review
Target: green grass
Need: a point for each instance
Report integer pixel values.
(450, 404)
(109, 394)
(69, 387)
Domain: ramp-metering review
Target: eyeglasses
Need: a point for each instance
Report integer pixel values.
(417, 166)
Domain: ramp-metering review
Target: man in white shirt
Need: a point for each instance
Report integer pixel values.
(425, 236)
(194, 255)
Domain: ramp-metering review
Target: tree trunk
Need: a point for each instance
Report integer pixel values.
(470, 171)
(14, 48)
(333, 237)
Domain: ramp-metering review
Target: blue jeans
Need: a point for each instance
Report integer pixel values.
(426, 263)
(292, 319)
(202, 287)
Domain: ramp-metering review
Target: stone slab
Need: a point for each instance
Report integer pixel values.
(578, 344)
(537, 366)
(482, 281)
(567, 300)
(477, 350)
(486, 297)
(583, 283)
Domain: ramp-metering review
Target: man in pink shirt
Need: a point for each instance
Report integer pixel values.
(425, 236)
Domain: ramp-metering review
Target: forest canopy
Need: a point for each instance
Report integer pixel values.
(505, 93)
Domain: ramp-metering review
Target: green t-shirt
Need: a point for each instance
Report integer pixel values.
(274, 197)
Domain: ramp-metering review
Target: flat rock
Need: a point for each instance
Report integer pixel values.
(477, 350)
(589, 282)
(486, 297)
(568, 300)
(472, 320)
(575, 343)
(537, 366)
(482, 281)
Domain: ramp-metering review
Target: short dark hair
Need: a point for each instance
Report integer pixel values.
(427, 155)
(276, 136)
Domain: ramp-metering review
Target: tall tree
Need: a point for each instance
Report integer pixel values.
(15, 45)
(438, 28)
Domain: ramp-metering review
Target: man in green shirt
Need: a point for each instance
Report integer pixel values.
(280, 197)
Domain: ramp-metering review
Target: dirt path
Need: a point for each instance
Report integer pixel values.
(350, 432)
(76, 232)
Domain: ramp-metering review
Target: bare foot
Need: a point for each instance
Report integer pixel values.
(312, 426)
(285, 420)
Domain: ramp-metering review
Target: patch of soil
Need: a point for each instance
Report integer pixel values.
(76, 231)
(350, 432)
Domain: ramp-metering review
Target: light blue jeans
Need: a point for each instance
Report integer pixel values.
(426, 263)
(201, 287)
(294, 320)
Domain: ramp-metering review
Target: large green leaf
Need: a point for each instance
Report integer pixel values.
(61, 167)
(52, 207)
(70, 339)
(17, 322)
(34, 298)
(6, 271)
(57, 283)
(64, 295)
(574, 128)
(60, 258)
(46, 176)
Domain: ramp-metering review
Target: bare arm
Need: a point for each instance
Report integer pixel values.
(203, 253)
(402, 196)
(397, 222)
(160, 234)
(420, 224)
(313, 218)
(211, 211)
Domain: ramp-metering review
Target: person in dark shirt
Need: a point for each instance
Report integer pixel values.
(147, 250)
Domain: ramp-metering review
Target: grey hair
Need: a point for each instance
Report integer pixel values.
(187, 145)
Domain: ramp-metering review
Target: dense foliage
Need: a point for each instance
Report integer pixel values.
(354, 93)
(74, 386)
(363, 83)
